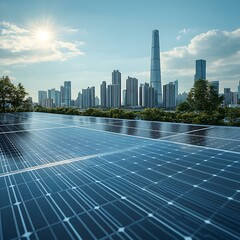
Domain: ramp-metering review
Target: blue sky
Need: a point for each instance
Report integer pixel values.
(87, 40)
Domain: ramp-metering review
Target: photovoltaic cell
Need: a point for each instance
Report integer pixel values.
(72, 177)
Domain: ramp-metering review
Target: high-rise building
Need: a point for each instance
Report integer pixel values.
(239, 90)
(176, 91)
(103, 94)
(124, 96)
(228, 95)
(169, 96)
(97, 101)
(132, 91)
(62, 91)
(200, 70)
(67, 94)
(51, 94)
(116, 95)
(42, 96)
(88, 97)
(215, 85)
(92, 94)
(155, 73)
(181, 98)
(116, 82)
(58, 99)
(109, 98)
(49, 103)
(146, 95)
(235, 98)
(78, 101)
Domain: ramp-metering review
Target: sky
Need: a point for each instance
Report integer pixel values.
(44, 43)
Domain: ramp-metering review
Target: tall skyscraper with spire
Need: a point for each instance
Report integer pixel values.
(155, 74)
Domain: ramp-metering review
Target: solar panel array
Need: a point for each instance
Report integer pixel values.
(73, 177)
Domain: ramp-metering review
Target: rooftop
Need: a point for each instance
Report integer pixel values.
(73, 177)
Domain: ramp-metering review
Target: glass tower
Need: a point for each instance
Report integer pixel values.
(155, 74)
(116, 82)
(200, 70)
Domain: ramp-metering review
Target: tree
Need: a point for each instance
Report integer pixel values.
(18, 96)
(203, 97)
(184, 107)
(6, 91)
(11, 95)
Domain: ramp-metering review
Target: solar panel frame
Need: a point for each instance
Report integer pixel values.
(76, 177)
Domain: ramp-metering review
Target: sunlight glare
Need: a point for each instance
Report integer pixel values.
(43, 35)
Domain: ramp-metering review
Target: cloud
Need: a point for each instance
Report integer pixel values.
(19, 45)
(178, 37)
(184, 31)
(221, 50)
(73, 30)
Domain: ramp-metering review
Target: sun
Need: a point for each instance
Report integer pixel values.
(43, 35)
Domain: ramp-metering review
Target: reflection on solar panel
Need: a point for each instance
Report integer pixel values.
(72, 177)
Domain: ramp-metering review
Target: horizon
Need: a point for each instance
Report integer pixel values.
(42, 45)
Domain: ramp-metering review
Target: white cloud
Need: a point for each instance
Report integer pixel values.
(19, 45)
(183, 32)
(178, 37)
(186, 30)
(221, 50)
(73, 30)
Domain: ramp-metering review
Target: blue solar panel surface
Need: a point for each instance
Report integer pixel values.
(73, 177)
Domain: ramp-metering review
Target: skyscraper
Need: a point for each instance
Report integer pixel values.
(132, 91)
(103, 94)
(215, 85)
(67, 93)
(116, 82)
(109, 99)
(200, 70)
(169, 96)
(88, 97)
(42, 96)
(124, 96)
(239, 90)
(155, 74)
(176, 91)
(146, 95)
(228, 95)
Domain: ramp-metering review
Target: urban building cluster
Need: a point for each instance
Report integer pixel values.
(147, 95)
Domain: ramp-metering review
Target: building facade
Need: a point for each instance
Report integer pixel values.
(169, 101)
(88, 97)
(116, 82)
(103, 94)
(67, 94)
(146, 95)
(227, 96)
(155, 73)
(200, 70)
(239, 90)
(42, 96)
(131, 92)
(215, 85)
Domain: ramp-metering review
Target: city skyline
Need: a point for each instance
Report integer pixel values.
(41, 49)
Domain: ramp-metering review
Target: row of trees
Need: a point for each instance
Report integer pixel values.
(112, 113)
(11, 95)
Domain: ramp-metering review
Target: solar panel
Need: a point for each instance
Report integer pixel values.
(74, 177)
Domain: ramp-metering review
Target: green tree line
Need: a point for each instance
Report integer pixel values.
(11, 96)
